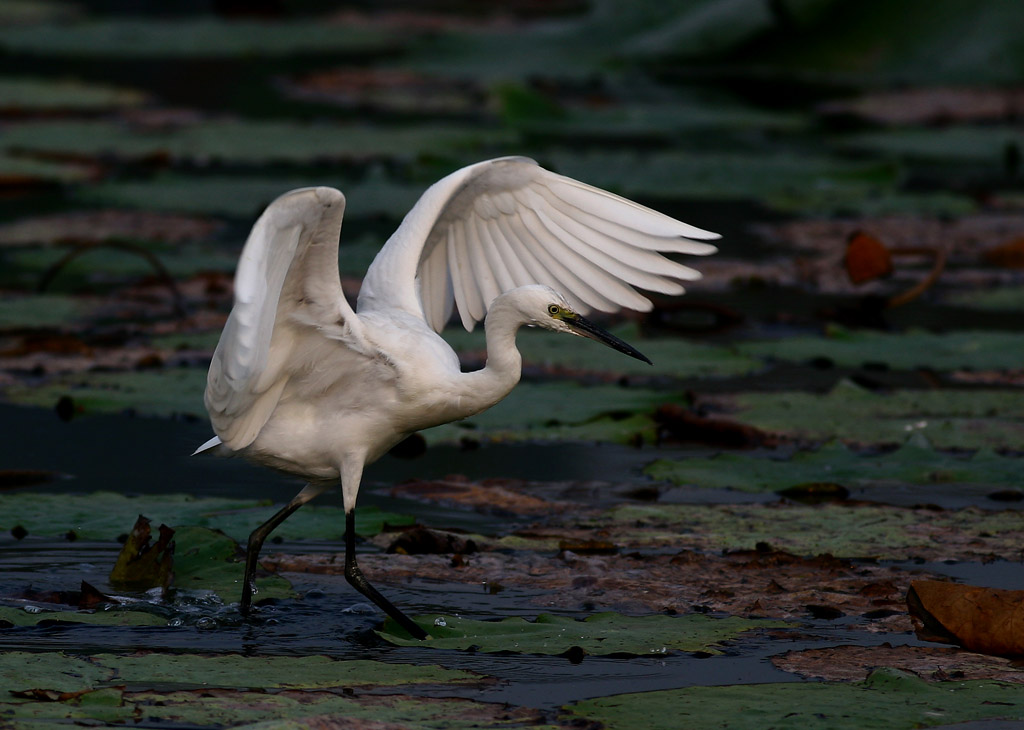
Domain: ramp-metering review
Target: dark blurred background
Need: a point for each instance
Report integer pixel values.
(138, 142)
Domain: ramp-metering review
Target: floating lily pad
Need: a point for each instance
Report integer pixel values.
(245, 197)
(284, 710)
(61, 672)
(24, 94)
(105, 515)
(603, 633)
(888, 698)
(563, 410)
(245, 141)
(978, 350)
(948, 418)
(1004, 299)
(916, 462)
(43, 310)
(899, 43)
(265, 672)
(207, 560)
(162, 392)
(675, 357)
(195, 38)
(110, 617)
(982, 144)
(786, 179)
(19, 170)
(846, 531)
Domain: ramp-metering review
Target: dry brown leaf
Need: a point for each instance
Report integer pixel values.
(854, 663)
(105, 225)
(986, 620)
(490, 496)
(767, 583)
(936, 105)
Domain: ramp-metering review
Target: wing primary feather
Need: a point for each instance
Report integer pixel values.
(484, 274)
(622, 211)
(607, 284)
(457, 267)
(614, 266)
(495, 261)
(505, 248)
(640, 259)
(595, 217)
(479, 286)
(569, 282)
(539, 271)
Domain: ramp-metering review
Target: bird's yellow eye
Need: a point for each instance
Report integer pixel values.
(553, 309)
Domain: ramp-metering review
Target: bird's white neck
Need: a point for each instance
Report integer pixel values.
(485, 387)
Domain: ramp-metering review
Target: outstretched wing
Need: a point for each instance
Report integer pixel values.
(505, 223)
(287, 282)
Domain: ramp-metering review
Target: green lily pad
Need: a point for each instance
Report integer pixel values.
(207, 560)
(43, 310)
(105, 515)
(155, 392)
(981, 144)
(916, 462)
(25, 12)
(887, 699)
(563, 410)
(847, 531)
(61, 672)
(195, 38)
(600, 634)
(674, 357)
(31, 171)
(45, 94)
(900, 43)
(999, 299)
(978, 350)
(104, 617)
(245, 141)
(57, 671)
(787, 179)
(284, 710)
(241, 672)
(245, 197)
(948, 418)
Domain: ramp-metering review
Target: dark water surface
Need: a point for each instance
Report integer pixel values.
(141, 455)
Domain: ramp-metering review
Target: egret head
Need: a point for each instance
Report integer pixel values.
(543, 307)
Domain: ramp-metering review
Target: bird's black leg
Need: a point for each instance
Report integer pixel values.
(355, 577)
(260, 534)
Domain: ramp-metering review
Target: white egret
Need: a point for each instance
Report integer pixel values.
(302, 383)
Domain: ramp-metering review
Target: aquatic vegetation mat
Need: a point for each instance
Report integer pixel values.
(106, 515)
(886, 699)
(602, 633)
(915, 462)
(728, 542)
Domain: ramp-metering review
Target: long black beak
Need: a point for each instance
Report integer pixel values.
(585, 328)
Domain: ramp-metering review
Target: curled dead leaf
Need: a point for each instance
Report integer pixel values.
(143, 564)
(676, 423)
(985, 620)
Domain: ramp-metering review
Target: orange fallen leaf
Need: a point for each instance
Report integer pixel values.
(985, 620)
(867, 258)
